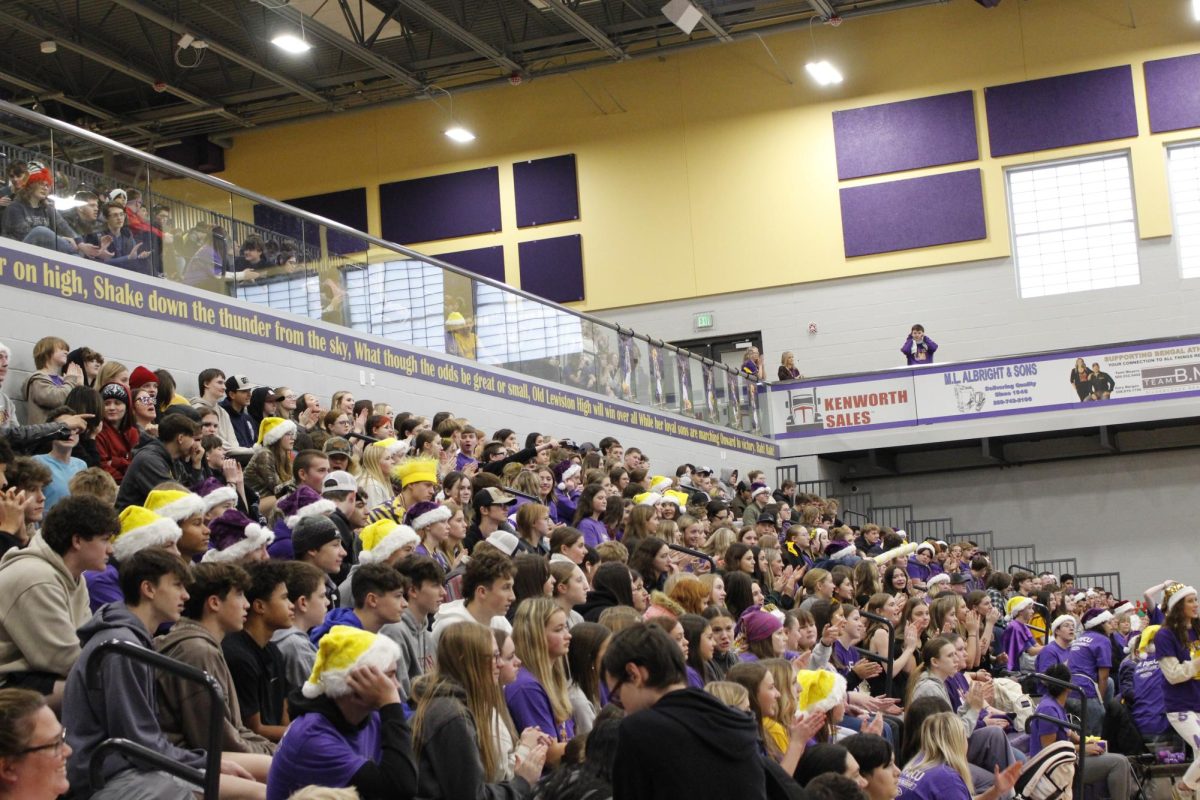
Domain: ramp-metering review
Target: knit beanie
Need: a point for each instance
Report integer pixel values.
(312, 533)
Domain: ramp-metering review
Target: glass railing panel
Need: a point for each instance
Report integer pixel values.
(186, 228)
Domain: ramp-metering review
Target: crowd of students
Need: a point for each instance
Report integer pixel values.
(405, 606)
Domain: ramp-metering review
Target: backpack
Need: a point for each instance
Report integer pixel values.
(1010, 699)
(1049, 775)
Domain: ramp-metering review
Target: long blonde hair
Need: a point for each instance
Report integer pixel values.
(529, 637)
(464, 659)
(943, 741)
(370, 467)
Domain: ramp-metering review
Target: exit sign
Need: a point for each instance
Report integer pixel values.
(704, 320)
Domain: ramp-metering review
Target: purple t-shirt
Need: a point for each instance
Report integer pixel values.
(1052, 653)
(529, 706)
(847, 656)
(1090, 652)
(922, 572)
(594, 532)
(103, 587)
(314, 752)
(1040, 727)
(936, 783)
(1178, 696)
(1016, 640)
(1148, 711)
(436, 555)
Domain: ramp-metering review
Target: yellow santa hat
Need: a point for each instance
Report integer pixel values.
(343, 649)
(174, 504)
(392, 445)
(647, 499)
(676, 498)
(272, 429)
(382, 538)
(660, 484)
(415, 470)
(819, 690)
(142, 528)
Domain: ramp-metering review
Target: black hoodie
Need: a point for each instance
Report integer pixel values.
(688, 744)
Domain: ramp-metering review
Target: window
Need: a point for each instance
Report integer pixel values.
(300, 295)
(399, 300)
(1073, 225)
(1183, 172)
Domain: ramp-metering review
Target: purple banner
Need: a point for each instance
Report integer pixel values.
(1171, 94)
(915, 212)
(66, 277)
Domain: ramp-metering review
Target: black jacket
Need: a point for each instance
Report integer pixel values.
(714, 751)
(151, 465)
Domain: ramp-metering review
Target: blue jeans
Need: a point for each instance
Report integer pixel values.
(44, 237)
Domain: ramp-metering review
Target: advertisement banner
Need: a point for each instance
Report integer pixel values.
(733, 400)
(1089, 377)
(626, 365)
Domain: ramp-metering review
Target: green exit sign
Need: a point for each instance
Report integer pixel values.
(704, 320)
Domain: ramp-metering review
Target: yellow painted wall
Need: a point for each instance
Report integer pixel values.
(707, 170)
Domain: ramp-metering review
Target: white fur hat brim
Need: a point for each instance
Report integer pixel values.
(1099, 619)
(383, 653)
(941, 577)
(1186, 591)
(836, 696)
(256, 537)
(651, 499)
(160, 532)
(1124, 608)
(319, 507)
(278, 432)
(845, 552)
(439, 514)
(1060, 621)
(402, 536)
(761, 490)
(225, 494)
(184, 508)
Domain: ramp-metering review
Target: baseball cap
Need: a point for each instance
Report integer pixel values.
(336, 445)
(492, 496)
(339, 481)
(503, 541)
(959, 578)
(239, 383)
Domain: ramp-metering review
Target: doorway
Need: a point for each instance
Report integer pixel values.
(727, 350)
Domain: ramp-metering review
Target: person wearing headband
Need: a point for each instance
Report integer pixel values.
(1177, 645)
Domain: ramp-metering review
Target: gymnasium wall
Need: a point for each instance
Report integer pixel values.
(713, 170)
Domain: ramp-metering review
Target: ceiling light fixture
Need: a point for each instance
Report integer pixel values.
(1196, 9)
(685, 15)
(460, 134)
(291, 43)
(456, 132)
(824, 73)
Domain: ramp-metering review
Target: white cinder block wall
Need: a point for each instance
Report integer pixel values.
(971, 310)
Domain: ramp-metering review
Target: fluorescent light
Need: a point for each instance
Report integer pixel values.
(460, 134)
(290, 43)
(1196, 9)
(824, 73)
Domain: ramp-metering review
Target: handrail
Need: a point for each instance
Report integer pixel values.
(712, 564)
(1079, 729)
(226, 186)
(210, 778)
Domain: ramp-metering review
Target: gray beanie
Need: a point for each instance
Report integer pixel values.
(312, 533)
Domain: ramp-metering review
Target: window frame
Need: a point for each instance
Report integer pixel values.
(1189, 144)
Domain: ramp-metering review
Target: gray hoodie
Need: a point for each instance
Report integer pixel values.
(417, 651)
(122, 703)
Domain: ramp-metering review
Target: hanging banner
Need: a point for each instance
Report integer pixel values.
(657, 396)
(710, 392)
(626, 365)
(733, 399)
(1053, 382)
(683, 380)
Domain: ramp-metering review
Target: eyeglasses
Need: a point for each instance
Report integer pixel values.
(56, 745)
(147, 400)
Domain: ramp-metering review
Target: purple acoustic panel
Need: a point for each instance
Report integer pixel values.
(486, 261)
(553, 268)
(1173, 93)
(348, 207)
(441, 206)
(907, 135)
(915, 212)
(547, 190)
(1062, 111)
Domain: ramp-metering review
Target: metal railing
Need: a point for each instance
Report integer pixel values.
(891, 516)
(1008, 558)
(1108, 581)
(935, 528)
(982, 538)
(208, 779)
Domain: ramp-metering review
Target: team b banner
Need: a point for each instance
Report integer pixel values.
(1089, 377)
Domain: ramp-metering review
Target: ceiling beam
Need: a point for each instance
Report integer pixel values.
(586, 29)
(461, 34)
(41, 34)
(714, 27)
(45, 94)
(352, 49)
(220, 48)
